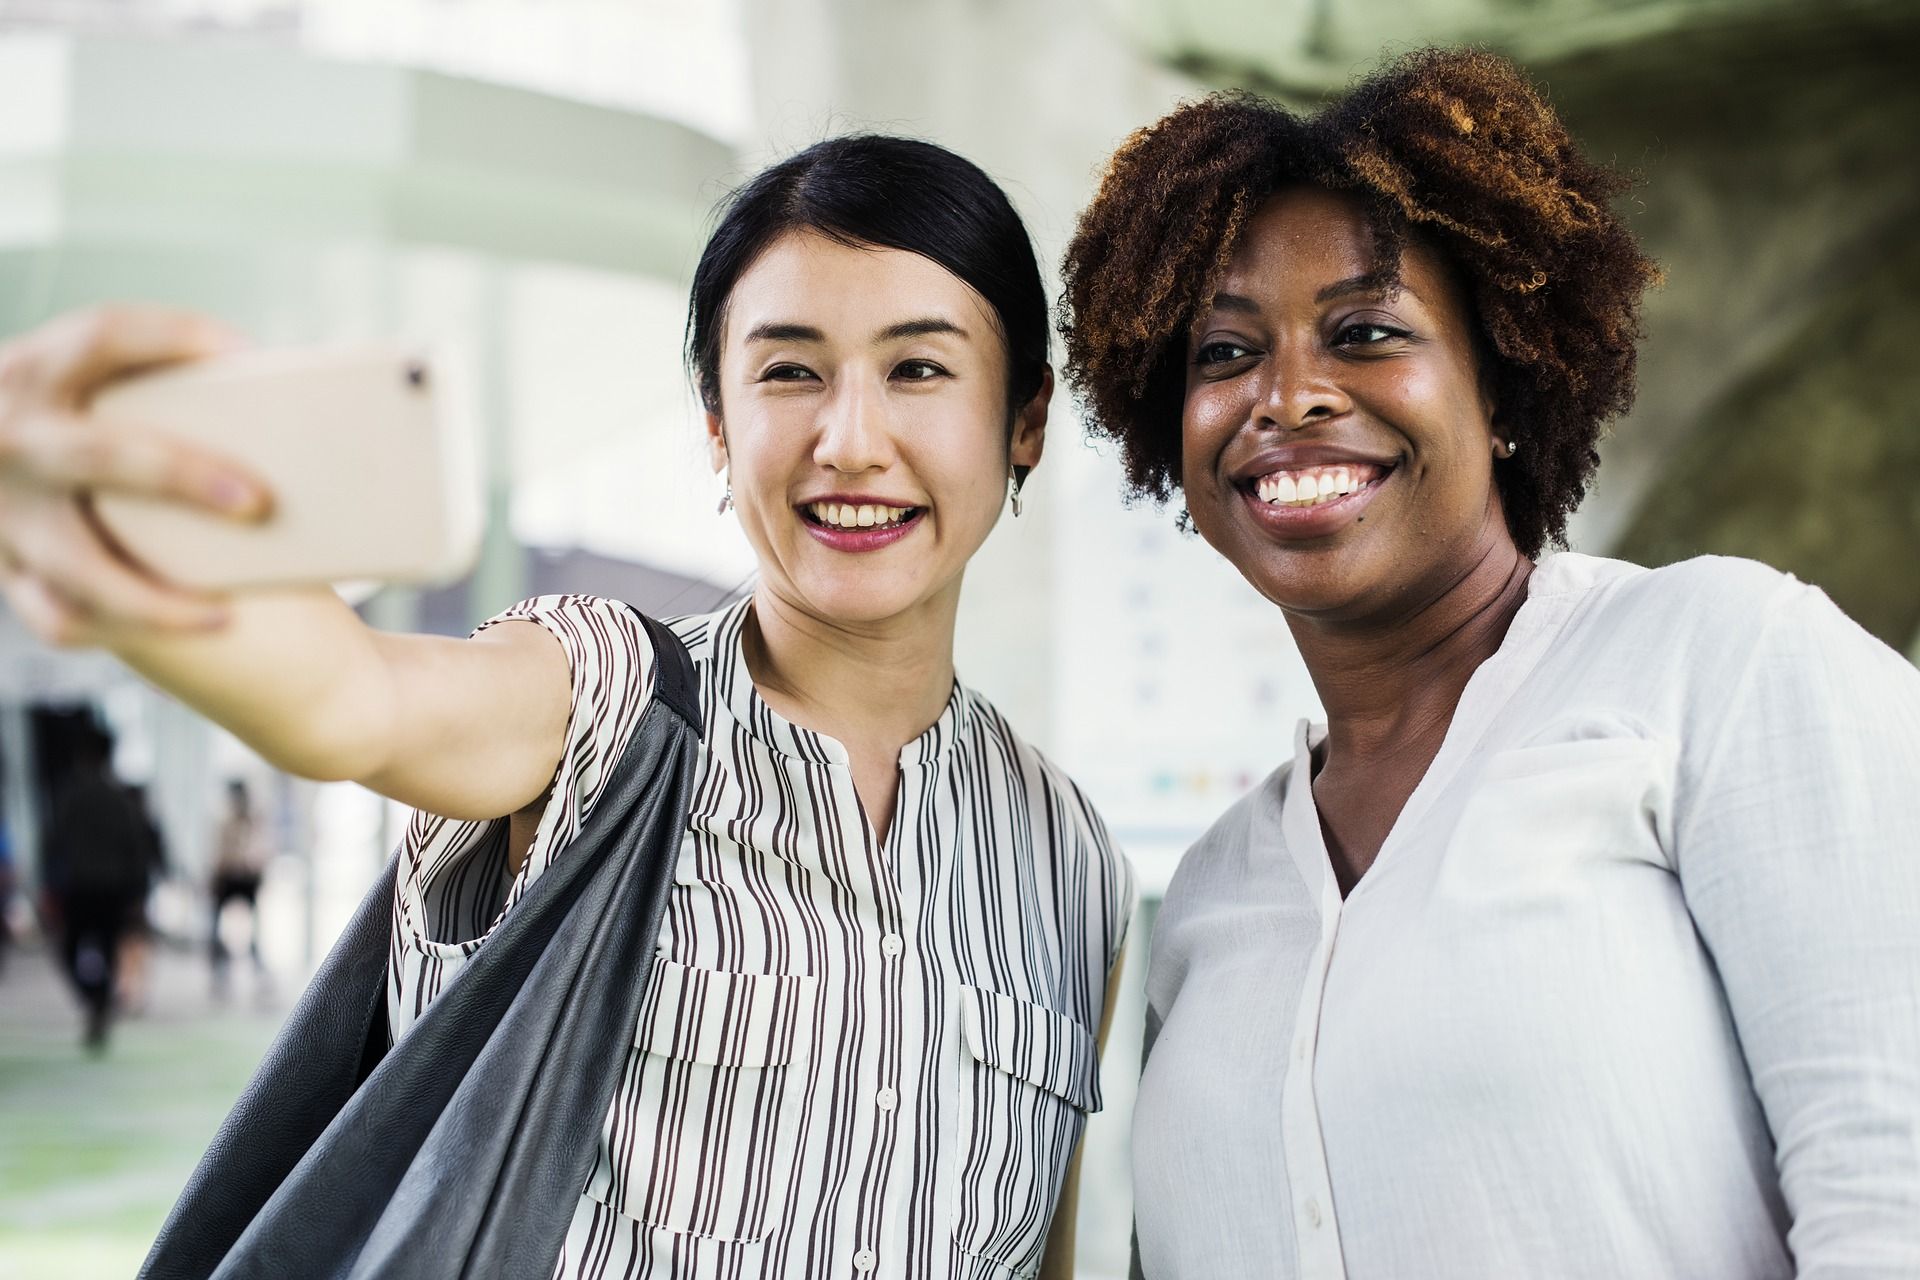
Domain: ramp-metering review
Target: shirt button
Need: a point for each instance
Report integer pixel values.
(1313, 1214)
(886, 1099)
(1300, 1051)
(892, 945)
(864, 1260)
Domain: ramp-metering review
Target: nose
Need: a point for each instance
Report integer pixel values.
(852, 426)
(1302, 388)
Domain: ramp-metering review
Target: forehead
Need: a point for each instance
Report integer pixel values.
(1303, 239)
(850, 291)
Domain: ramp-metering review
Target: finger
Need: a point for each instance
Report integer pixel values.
(61, 451)
(112, 594)
(87, 350)
(42, 610)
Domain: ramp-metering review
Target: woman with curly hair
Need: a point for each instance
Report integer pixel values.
(1584, 938)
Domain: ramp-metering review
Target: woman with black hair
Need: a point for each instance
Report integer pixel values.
(1583, 939)
(870, 1036)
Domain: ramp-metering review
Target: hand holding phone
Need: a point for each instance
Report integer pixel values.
(373, 473)
(58, 574)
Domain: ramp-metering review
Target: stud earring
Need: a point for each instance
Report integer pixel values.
(1506, 448)
(726, 493)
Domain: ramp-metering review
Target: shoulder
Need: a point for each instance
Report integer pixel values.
(610, 659)
(1216, 862)
(1684, 625)
(586, 625)
(704, 633)
(1704, 592)
(1032, 765)
(1059, 807)
(1722, 611)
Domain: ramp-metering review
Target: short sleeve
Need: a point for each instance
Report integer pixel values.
(1797, 843)
(1126, 898)
(454, 885)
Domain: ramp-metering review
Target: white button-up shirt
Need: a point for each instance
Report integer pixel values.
(1632, 989)
(856, 1054)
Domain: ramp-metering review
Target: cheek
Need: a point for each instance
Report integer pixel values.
(1444, 419)
(959, 458)
(1208, 420)
(765, 443)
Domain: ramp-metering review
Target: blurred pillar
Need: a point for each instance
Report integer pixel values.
(17, 795)
(182, 789)
(500, 578)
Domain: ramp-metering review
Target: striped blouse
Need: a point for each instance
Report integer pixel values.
(855, 1056)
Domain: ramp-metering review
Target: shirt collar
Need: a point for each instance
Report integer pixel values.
(767, 726)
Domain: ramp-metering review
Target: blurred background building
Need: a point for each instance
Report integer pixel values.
(529, 181)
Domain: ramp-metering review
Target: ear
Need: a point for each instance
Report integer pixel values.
(1030, 426)
(716, 441)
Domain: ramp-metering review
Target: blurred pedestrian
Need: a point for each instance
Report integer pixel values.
(96, 862)
(8, 883)
(239, 863)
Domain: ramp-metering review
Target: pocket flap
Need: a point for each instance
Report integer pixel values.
(1033, 1043)
(726, 1019)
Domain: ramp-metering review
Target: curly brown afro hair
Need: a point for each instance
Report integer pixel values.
(1452, 147)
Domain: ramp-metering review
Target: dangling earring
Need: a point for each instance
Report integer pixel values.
(1014, 482)
(726, 493)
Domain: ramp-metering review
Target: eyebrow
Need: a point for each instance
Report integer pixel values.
(1235, 302)
(919, 328)
(777, 331)
(787, 331)
(1373, 281)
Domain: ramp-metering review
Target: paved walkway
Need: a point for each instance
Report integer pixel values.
(93, 1149)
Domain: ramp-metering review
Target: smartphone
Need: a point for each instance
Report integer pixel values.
(375, 473)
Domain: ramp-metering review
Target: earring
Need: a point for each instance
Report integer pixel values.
(726, 493)
(1014, 481)
(1510, 448)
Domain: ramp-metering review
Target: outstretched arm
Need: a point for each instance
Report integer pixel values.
(461, 728)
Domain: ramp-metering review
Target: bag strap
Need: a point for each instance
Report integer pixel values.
(674, 681)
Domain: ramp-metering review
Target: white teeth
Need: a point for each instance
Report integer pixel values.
(841, 515)
(1300, 488)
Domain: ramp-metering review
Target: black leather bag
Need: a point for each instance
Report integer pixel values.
(462, 1150)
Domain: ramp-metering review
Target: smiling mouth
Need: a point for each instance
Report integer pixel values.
(1310, 487)
(842, 515)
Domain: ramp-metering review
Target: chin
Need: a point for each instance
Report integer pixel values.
(861, 597)
(1331, 579)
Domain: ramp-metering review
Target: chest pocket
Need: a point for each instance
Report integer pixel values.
(701, 1136)
(1028, 1080)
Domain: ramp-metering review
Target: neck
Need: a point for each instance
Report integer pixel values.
(871, 686)
(1390, 685)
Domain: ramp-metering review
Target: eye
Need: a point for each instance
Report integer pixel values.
(787, 373)
(918, 371)
(1218, 353)
(1368, 334)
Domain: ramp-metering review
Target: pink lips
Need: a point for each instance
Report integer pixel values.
(867, 539)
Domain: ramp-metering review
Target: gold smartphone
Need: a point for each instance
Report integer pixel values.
(375, 474)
